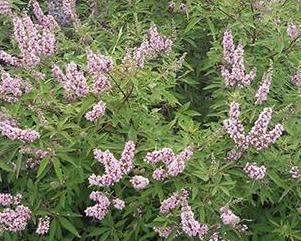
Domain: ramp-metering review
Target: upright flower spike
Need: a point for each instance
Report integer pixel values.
(164, 232)
(154, 45)
(98, 63)
(174, 201)
(190, 225)
(43, 225)
(46, 21)
(99, 210)
(174, 164)
(262, 93)
(69, 9)
(97, 112)
(234, 57)
(258, 137)
(33, 40)
(74, 82)
(11, 88)
(114, 169)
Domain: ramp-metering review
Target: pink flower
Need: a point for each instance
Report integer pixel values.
(100, 84)
(262, 92)
(254, 171)
(139, 182)
(97, 112)
(292, 31)
(258, 137)
(151, 47)
(235, 75)
(15, 133)
(174, 201)
(164, 232)
(43, 225)
(114, 169)
(127, 156)
(5, 8)
(99, 210)
(98, 64)
(6, 199)
(190, 225)
(69, 9)
(118, 203)
(228, 217)
(296, 79)
(74, 82)
(175, 164)
(15, 220)
(46, 21)
(11, 88)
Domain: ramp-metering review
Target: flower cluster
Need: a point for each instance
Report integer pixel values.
(6, 199)
(254, 171)
(11, 131)
(43, 225)
(11, 88)
(98, 63)
(5, 8)
(69, 9)
(189, 225)
(234, 57)
(55, 8)
(46, 21)
(114, 169)
(100, 209)
(293, 31)
(296, 79)
(139, 182)
(98, 66)
(74, 82)
(295, 172)
(34, 41)
(258, 137)
(151, 47)
(97, 112)
(172, 7)
(38, 156)
(174, 164)
(164, 232)
(13, 219)
(174, 201)
(118, 203)
(262, 93)
(228, 217)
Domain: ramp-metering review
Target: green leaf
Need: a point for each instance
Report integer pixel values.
(58, 169)
(4, 166)
(69, 226)
(42, 166)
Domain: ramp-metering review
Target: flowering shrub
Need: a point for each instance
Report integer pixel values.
(150, 120)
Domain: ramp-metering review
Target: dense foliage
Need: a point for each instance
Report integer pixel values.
(139, 119)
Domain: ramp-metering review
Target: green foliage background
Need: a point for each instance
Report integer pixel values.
(161, 108)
